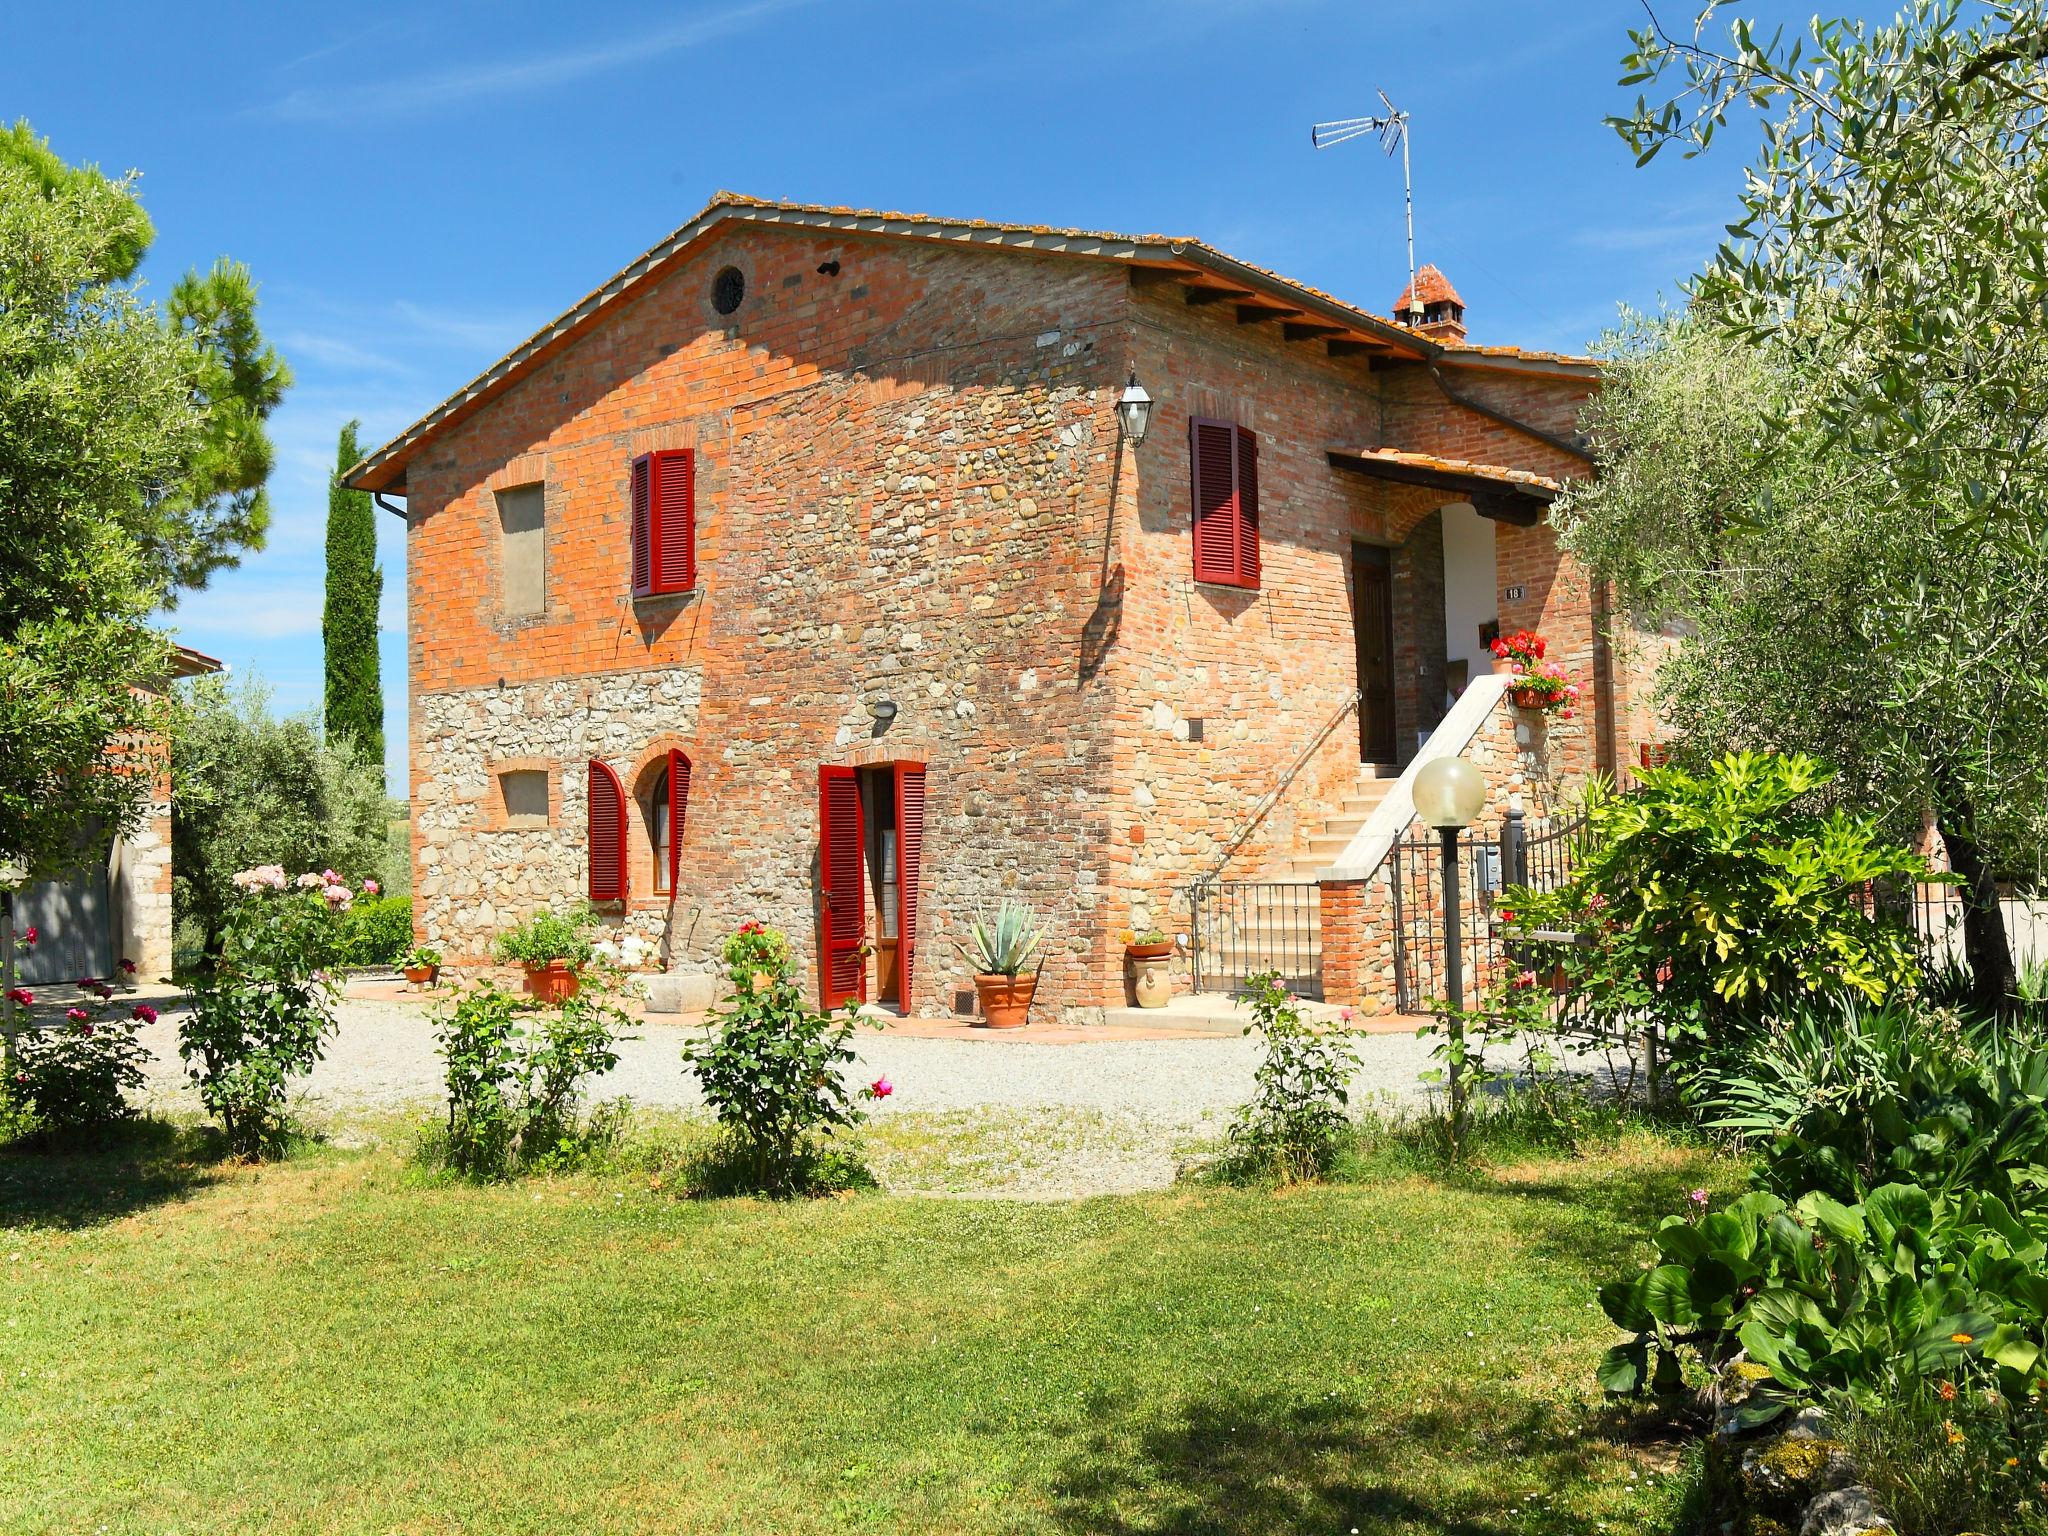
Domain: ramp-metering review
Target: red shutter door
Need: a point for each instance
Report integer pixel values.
(1248, 506)
(1212, 449)
(606, 799)
(909, 856)
(675, 520)
(844, 921)
(643, 525)
(678, 804)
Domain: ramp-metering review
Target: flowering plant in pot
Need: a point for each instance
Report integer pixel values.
(999, 949)
(421, 965)
(1535, 683)
(1147, 944)
(553, 948)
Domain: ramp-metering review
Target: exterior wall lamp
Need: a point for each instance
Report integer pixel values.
(1134, 412)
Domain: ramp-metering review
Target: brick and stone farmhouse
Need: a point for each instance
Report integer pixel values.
(805, 571)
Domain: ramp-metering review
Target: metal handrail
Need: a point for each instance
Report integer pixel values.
(1272, 796)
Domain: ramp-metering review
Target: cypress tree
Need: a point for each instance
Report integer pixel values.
(348, 627)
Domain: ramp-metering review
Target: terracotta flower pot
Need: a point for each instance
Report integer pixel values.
(1531, 698)
(1149, 951)
(1005, 1000)
(554, 982)
(422, 975)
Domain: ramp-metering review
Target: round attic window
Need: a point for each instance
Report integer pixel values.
(727, 289)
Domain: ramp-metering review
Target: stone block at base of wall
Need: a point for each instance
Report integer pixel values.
(679, 991)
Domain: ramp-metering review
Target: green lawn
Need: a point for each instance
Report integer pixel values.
(330, 1345)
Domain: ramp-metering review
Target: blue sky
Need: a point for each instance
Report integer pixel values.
(418, 186)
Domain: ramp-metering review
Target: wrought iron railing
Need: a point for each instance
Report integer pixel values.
(1239, 929)
(1519, 852)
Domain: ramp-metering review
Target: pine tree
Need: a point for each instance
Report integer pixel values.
(348, 628)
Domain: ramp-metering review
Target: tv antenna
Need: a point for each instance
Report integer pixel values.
(1392, 127)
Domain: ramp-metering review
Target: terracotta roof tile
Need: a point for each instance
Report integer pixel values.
(1500, 474)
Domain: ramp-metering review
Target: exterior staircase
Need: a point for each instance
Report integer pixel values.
(1277, 926)
(1335, 834)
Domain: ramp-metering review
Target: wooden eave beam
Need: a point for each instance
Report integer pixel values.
(1348, 348)
(1216, 295)
(1295, 330)
(1252, 314)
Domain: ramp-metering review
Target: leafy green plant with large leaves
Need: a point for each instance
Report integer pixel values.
(1846, 1099)
(1715, 899)
(1824, 1297)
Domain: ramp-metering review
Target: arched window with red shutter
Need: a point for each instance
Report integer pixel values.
(607, 833)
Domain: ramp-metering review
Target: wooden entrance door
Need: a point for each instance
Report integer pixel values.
(843, 916)
(1372, 625)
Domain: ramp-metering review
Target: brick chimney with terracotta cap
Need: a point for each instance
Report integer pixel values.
(1442, 313)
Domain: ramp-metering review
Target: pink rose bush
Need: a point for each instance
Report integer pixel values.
(74, 1076)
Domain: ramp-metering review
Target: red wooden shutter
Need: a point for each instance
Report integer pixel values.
(1213, 469)
(1247, 507)
(843, 972)
(675, 520)
(607, 804)
(909, 855)
(643, 525)
(678, 803)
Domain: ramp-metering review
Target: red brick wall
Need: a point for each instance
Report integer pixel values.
(904, 483)
(902, 493)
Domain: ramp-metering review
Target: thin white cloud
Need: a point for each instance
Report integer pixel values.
(336, 352)
(464, 84)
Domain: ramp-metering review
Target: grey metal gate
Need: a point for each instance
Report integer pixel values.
(1242, 928)
(73, 915)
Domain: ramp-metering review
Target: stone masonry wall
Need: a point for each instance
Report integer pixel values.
(902, 481)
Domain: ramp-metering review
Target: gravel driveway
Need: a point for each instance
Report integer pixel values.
(384, 1057)
(968, 1116)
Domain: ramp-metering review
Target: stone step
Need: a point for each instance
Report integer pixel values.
(1209, 1013)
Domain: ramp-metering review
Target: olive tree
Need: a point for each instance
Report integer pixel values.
(1832, 469)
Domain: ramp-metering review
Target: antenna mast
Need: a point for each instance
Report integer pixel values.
(1392, 127)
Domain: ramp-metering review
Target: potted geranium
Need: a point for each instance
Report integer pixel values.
(421, 965)
(999, 949)
(552, 948)
(1534, 683)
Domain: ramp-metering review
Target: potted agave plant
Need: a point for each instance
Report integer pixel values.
(999, 949)
(552, 948)
(421, 965)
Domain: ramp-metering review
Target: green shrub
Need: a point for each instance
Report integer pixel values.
(377, 930)
(1295, 1124)
(1716, 901)
(545, 937)
(515, 1073)
(71, 1077)
(772, 1069)
(1868, 1301)
(260, 1018)
(1843, 1100)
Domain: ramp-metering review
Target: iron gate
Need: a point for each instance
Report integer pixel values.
(1540, 855)
(1239, 929)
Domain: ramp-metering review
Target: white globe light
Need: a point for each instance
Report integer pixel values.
(1449, 792)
